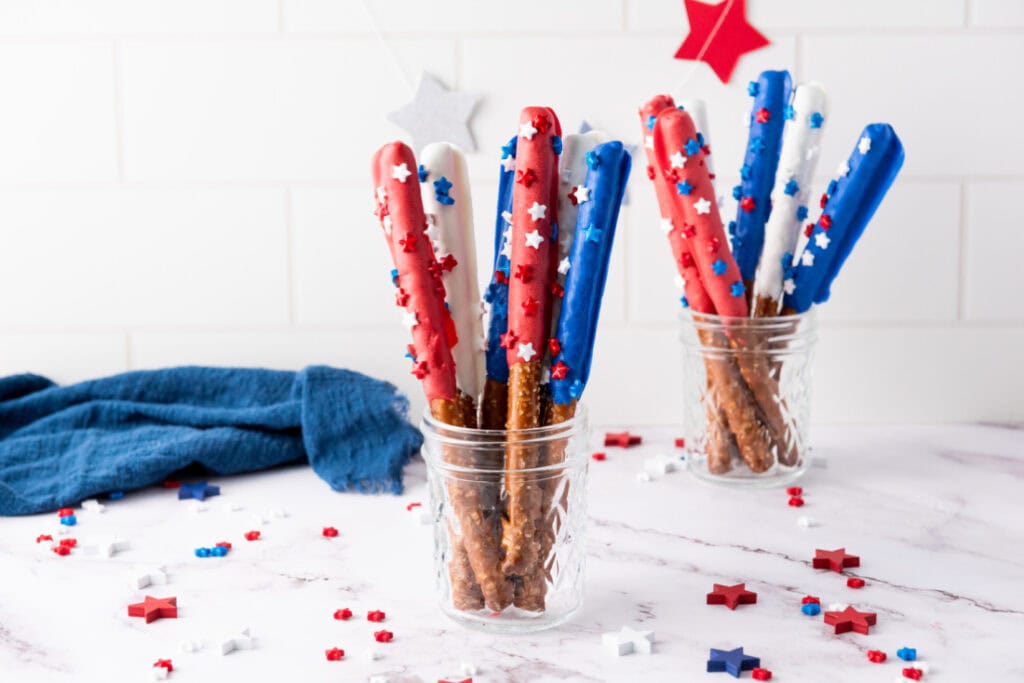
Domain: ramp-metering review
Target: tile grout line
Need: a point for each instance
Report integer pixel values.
(290, 255)
(129, 355)
(961, 284)
(115, 54)
(280, 17)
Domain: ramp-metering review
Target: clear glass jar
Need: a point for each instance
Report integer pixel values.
(471, 492)
(747, 390)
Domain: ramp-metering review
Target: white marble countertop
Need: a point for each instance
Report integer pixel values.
(935, 513)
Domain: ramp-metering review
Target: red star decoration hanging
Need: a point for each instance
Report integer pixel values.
(722, 48)
(850, 620)
(730, 596)
(152, 609)
(836, 560)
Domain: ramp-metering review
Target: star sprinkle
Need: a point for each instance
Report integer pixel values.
(375, 615)
(592, 233)
(692, 147)
(622, 439)
(334, 654)
(816, 119)
(758, 145)
(537, 211)
(703, 206)
(409, 319)
(677, 160)
(811, 609)
(836, 560)
(731, 596)
(198, 491)
(822, 241)
(329, 532)
(792, 188)
(383, 636)
(533, 239)
(877, 656)
(660, 465)
(626, 641)
(807, 259)
(152, 609)
(719, 267)
(789, 113)
(684, 188)
(748, 204)
(526, 177)
(400, 172)
(93, 505)
(580, 194)
(243, 641)
(864, 146)
(437, 114)
(527, 130)
(648, 142)
(563, 266)
(737, 288)
(559, 370)
(843, 170)
(907, 654)
(441, 188)
(850, 619)
(526, 351)
(666, 225)
(731, 661)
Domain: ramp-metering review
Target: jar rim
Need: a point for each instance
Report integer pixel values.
(710, 319)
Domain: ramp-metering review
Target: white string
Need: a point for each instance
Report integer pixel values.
(395, 61)
(707, 43)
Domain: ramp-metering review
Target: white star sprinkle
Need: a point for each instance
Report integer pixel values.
(527, 130)
(666, 225)
(864, 145)
(537, 211)
(409, 319)
(822, 240)
(582, 193)
(400, 172)
(563, 266)
(789, 286)
(93, 505)
(386, 222)
(807, 259)
(677, 160)
(649, 141)
(702, 205)
(382, 194)
(533, 239)
(843, 170)
(507, 217)
(506, 249)
(431, 229)
(679, 281)
(508, 163)
(812, 152)
(526, 351)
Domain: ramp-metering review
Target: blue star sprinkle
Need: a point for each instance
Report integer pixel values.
(509, 150)
(700, 138)
(719, 267)
(811, 609)
(593, 234)
(115, 495)
(737, 288)
(789, 113)
(684, 188)
(202, 552)
(791, 187)
(831, 189)
(199, 491)
(816, 119)
(752, 88)
(732, 227)
(757, 145)
(423, 173)
(737, 192)
(556, 144)
(684, 302)
(692, 147)
(801, 213)
(745, 171)
(731, 661)
(394, 276)
(593, 160)
(441, 188)
(554, 232)
(69, 520)
(576, 389)
(907, 654)
(410, 356)
(650, 122)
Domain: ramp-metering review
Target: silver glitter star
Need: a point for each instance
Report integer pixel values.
(437, 114)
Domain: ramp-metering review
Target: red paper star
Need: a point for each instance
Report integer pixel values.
(835, 560)
(622, 439)
(152, 609)
(850, 620)
(730, 596)
(719, 35)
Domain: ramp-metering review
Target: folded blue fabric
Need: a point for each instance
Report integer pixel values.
(60, 445)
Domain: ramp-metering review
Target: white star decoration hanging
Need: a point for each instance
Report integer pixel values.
(533, 239)
(537, 211)
(437, 114)
(702, 205)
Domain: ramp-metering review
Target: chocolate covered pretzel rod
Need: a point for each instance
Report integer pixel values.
(534, 248)
(849, 203)
(771, 93)
(421, 292)
(675, 137)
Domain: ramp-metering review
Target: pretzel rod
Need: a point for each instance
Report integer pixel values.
(849, 203)
(421, 291)
(771, 94)
(696, 297)
(533, 251)
(446, 199)
(801, 139)
(675, 133)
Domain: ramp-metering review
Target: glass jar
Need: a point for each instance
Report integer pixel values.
(747, 390)
(472, 492)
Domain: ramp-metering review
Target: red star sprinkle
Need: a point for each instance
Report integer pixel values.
(509, 339)
(410, 506)
(686, 260)
(912, 673)
(61, 550)
(809, 229)
(376, 614)
(252, 535)
(329, 532)
(719, 35)
(808, 599)
(43, 537)
(823, 201)
(171, 484)
(672, 174)
(554, 346)
(713, 244)
(401, 298)
(876, 656)
(343, 614)
(796, 501)
(448, 263)
(499, 277)
(599, 456)
(622, 439)
(68, 542)
(731, 596)
(527, 177)
(408, 242)
(762, 115)
(557, 290)
(689, 232)
(383, 636)
(748, 204)
(572, 196)
(419, 369)
(650, 172)
(836, 560)
(855, 582)
(524, 272)
(826, 221)
(559, 370)
(335, 654)
(152, 609)
(530, 306)
(850, 620)
(164, 664)
(541, 123)
(65, 512)
(680, 443)
(795, 491)
(759, 674)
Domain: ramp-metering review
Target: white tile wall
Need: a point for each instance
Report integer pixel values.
(186, 182)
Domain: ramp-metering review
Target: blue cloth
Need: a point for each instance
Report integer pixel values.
(60, 445)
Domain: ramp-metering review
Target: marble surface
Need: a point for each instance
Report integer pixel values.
(935, 514)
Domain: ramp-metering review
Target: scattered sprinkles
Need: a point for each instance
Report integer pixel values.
(329, 532)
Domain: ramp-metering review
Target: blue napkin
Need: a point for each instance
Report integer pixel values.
(60, 445)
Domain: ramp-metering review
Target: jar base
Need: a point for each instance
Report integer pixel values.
(510, 621)
(742, 478)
